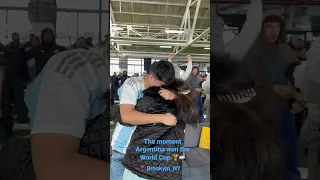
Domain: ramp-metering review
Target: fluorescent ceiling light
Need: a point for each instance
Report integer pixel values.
(300, 26)
(174, 31)
(126, 44)
(166, 47)
(207, 48)
(117, 28)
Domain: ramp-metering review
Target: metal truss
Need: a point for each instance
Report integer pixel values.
(159, 55)
(186, 35)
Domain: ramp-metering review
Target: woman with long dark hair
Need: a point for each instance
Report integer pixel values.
(245, 125)
(184, 107)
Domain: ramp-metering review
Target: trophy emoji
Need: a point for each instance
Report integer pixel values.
(175, 156)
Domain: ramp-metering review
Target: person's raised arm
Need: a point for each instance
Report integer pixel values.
(128, 100)
(170, 58)
(186, 74)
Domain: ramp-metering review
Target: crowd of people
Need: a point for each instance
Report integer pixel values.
(263, 104)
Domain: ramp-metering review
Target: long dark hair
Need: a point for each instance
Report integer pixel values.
(185, 102)
(245, 144)
(185, 106)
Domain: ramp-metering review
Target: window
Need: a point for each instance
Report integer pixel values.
(78, 4)
(105, 4)
(114, 61)
(15, 3)
(114, 68)
(18, 22)
(89, 26)
(135, 61)
(105, 21)
(135, 69)
(131, 70)
(66, 28)
(3, 27)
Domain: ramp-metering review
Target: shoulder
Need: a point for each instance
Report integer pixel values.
(134, 81)
(75, 63)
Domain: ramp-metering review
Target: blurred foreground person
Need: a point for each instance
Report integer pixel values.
(245, 121)
(68, 103)
(310, 85)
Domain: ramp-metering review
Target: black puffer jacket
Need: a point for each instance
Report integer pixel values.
(152, 103)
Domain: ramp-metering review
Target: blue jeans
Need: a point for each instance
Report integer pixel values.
(116, 167)
(290, 136)
(200, 104)
(128, 175)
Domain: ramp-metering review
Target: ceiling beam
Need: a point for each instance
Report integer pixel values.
(156, 3)
(157, 55)
(196, 17)
(151, 43)
(113, 19)
(153, 14)
(147, 39)
(193, 41)
(146, 25)
(183, 21)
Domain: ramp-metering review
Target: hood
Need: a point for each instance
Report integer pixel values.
(282, 39)
(43, 43)
(262, 48)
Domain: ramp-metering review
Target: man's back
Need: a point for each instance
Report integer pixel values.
(80, 77)
(129, 93)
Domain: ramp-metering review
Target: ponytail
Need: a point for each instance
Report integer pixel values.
(187, 107)
(185, 103)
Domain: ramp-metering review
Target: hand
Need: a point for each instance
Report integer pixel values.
(171, 55)
(167, 95)
(284, 91)
(169, 119)
(189, 58)
(299, 97)
(199, 90)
